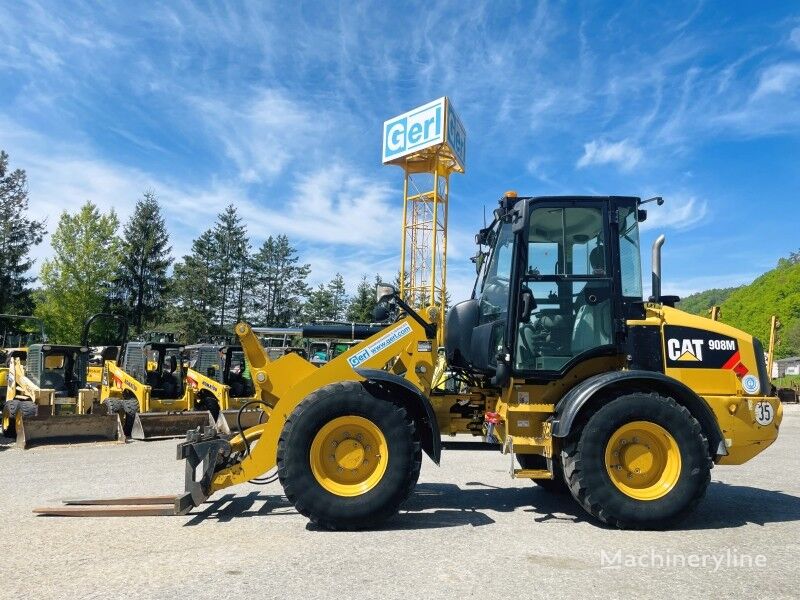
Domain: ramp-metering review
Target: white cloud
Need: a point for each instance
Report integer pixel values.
(794, 37)
(261, 133)
(677, 212)
(778, 79)
(599, 152)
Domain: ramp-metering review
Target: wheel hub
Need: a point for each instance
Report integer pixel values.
(349, 456)
(643, 460)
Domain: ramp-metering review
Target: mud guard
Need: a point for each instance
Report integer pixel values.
(382, 383)
(574, 400)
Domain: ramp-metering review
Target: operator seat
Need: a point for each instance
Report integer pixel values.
(170, 382)
(593, 323)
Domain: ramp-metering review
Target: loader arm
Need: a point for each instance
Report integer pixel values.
(197, 381)
(116, 381)
(288, 380)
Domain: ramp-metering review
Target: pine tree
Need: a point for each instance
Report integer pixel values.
(18, 234)
(77, 281)
(338, 298)
(363, 302)
(230, 265)
(280, 283)
(141, 277)
(191, 291)
(320, 305)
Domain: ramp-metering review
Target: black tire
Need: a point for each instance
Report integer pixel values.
(209, 403)
(310, 498)
(557, 485)
(130, 406)
(583, 458)
(26, 407)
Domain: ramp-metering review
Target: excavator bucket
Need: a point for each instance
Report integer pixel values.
(155, 425)
(229, 420)
(67, 429)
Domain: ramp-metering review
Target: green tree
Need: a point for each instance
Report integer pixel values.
(338, 298)
(320, 305)
(230, 265)
(18, 234)
(191, 291)
(279, 282)
(77, 281)
(363, 302)
(141, 277)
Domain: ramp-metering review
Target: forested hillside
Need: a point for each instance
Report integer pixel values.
(750, 307)
(699, 303)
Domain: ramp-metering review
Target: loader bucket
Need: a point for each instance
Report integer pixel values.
(227, 422)
(67, 429)
(154, 425)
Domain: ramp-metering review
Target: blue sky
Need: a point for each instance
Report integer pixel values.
(278, 107)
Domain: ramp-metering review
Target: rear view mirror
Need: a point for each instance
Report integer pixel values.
(384, 292)
(478, 259)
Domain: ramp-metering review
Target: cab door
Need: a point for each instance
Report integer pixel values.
(567, 308)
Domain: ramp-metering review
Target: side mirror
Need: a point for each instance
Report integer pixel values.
(384, 292)
(478, 259)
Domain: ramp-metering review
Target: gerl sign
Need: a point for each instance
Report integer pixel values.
(429, 125)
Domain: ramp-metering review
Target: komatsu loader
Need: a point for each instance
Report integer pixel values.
(218, 376)
(148, 388)
(14, 340)
(48, 400)
(563, 366)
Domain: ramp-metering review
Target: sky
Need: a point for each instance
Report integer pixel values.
(278, 108)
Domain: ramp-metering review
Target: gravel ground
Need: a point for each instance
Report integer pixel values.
(468, 530)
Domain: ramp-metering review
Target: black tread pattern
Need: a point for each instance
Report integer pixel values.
(327, 510)
(593, 490)
(26, 407)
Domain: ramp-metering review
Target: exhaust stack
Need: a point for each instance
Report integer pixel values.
(655, 294)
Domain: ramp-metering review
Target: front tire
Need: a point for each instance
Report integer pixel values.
(640, 462)
(346, 459)
(9, 422)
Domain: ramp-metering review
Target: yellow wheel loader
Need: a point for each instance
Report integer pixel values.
(219, 378)
(625, 403)
(47, 400)
(14, 340)
(148, 389)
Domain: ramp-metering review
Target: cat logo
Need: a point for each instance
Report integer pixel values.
(685, 350)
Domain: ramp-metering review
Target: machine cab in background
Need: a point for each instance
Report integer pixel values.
(559, 278)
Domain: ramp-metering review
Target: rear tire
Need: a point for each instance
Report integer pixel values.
(328, 466)
(640, 462)
(9, 422)
(557, 485)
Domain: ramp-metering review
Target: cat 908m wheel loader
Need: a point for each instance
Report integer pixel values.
(563, 366)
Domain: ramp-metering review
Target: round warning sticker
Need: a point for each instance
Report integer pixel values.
(764, 413)
(751, 384)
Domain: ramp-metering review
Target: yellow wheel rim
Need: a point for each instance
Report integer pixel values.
(643, 460)
(349, 456)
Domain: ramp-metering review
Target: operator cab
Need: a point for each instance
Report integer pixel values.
(157, 364)
(567, 270)
(60, 368)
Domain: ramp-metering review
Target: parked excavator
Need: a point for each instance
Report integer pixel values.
(563, 366)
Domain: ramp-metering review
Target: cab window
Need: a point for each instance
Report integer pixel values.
(571, 285)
